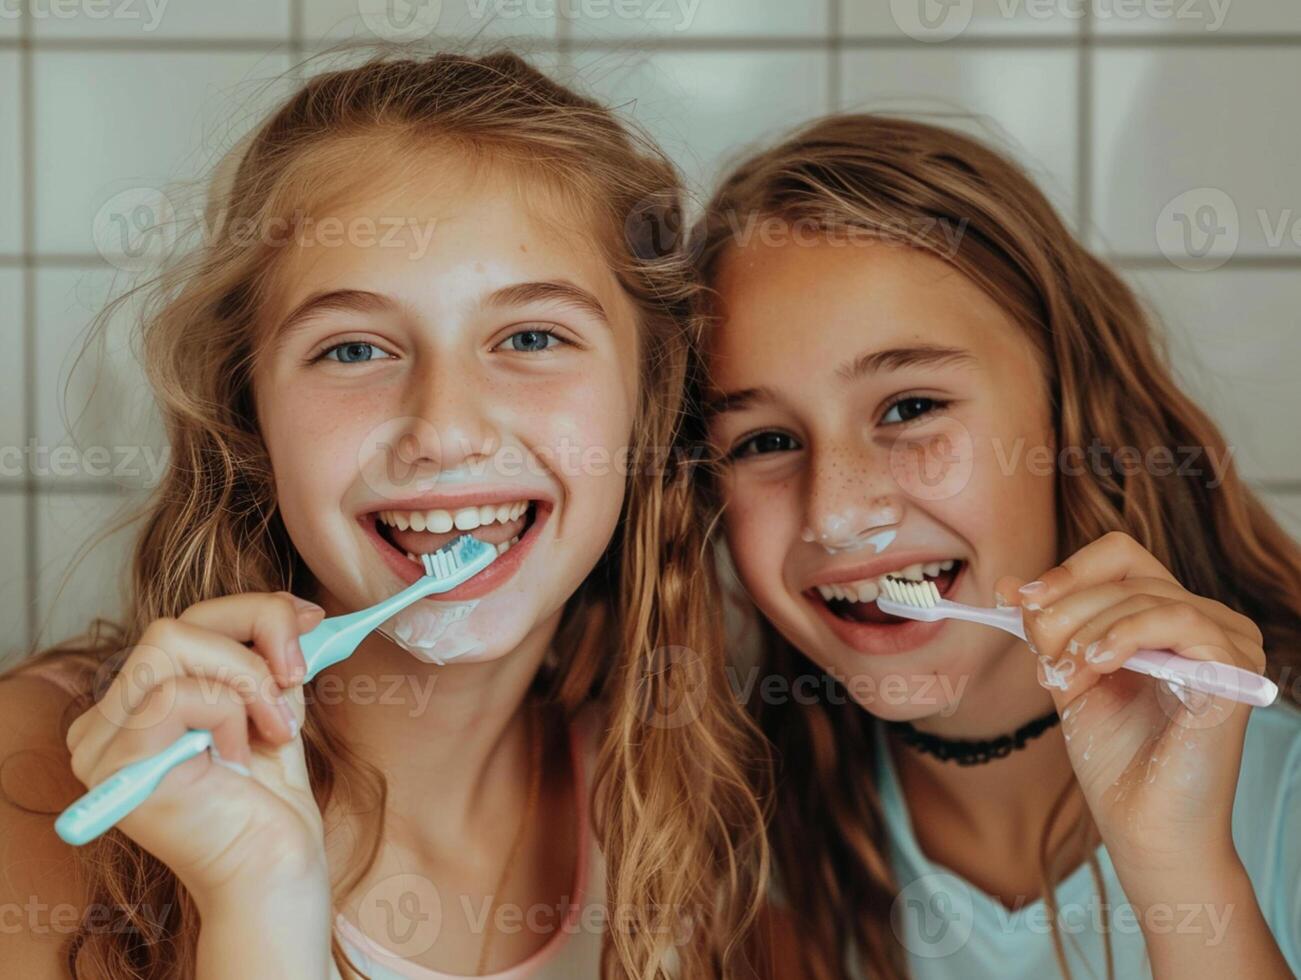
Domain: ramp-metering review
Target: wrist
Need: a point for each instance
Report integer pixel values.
(275, 934)
(1218, 879)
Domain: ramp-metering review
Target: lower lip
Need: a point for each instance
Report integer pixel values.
(884, 639)
(491, 578)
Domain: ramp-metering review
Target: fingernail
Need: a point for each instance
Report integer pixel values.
(218, 758)
(1095, 656)
(297, 664)
(1032, 587)
(1000, 602)
(287, 713)
(303, 606)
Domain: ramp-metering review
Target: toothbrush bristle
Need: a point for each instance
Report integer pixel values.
(452, 557)
(923, 595)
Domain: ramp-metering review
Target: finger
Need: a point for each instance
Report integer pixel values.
(177, 705)
(272, 623)
(1181, 627)
(1055, 626)
(1064, 665)
(1112, 557)
(172, 648)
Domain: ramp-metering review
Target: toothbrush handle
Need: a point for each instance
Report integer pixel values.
(108, 802)
(1207, 676)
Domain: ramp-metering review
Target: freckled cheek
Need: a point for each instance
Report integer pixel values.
(314, 442)
(583, 431)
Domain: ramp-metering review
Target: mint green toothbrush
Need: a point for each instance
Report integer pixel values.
(333, 640)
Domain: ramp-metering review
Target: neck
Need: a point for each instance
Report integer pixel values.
(1005, 802)
(450, 739)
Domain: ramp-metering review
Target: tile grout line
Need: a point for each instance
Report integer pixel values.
(27, 139)
(1084, 130)
(835, 14)
(715, 42)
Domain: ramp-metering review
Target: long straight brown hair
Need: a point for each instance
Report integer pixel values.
(909, 182)
(677, 812)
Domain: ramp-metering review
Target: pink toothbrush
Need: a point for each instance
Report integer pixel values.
(921, 601)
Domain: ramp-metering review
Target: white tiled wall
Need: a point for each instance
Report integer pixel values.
(1166, 132)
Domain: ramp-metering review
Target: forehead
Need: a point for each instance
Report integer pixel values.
(453, 226)
(800, 309)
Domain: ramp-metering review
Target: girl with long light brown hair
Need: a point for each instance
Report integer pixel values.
(914, 369)
(422, 307)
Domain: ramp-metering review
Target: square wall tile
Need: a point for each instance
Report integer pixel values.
(405, 21)
(11, 161)
(94, 409)
(13, 577)
(162, 20)
(1234, 338)
(1199, 18)
(12, 381)
(605, 20)
(84, 568)
(117, 132)
(1194, 155)
(708, 108)
(932, 22)
(1021, 101)
(10, 20)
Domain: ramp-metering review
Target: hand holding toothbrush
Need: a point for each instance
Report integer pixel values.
(1158, 764)
(220, 665)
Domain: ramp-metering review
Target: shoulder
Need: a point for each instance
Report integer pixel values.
(40, 889)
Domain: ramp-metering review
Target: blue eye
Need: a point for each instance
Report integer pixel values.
(763, 444)
(907, 409)
(532, 341)
(354, 352)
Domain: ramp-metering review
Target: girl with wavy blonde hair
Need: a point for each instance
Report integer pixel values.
(534, 803)
(914, 368)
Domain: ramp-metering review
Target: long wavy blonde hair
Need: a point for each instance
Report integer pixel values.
(677, 813)
(907, 181)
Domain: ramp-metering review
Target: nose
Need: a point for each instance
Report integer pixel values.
(447, 414)
(852, 501)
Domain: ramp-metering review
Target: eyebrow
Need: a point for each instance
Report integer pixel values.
(560, 291)
(334, 301)
(872, 362)
(516, 294)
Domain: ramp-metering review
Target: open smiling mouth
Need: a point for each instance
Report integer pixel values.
(855, 602)
(511, 526)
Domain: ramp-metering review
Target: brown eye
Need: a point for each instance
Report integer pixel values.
(764, 443)
(907, 409)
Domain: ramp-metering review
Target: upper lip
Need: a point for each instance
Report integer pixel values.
(455, 501)
(874, 568)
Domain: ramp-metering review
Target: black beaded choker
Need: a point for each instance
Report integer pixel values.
(972, 752)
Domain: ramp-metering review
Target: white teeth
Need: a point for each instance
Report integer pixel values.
(503, 547)
(868, 590)
(464, 519)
